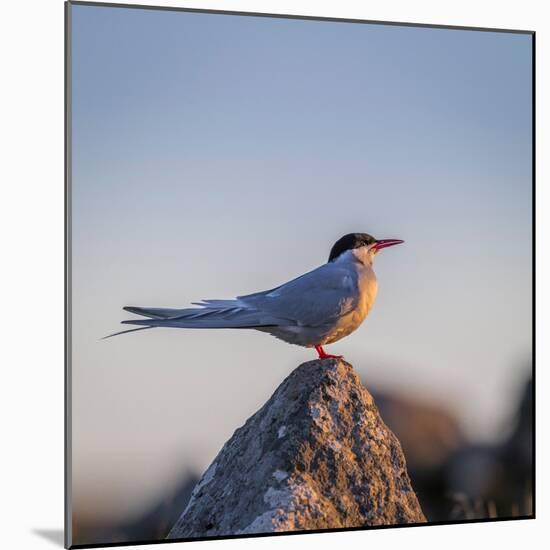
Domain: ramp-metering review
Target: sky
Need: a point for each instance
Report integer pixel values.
(217, 155)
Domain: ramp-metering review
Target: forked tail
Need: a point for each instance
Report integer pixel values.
(210, 314)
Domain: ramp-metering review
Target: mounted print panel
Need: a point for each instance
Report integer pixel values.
(318, 237)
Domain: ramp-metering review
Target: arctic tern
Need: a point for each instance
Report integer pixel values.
(315, 309)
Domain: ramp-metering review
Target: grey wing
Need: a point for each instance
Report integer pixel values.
(317, 298)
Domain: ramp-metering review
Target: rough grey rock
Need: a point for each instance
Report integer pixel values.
(317, 455)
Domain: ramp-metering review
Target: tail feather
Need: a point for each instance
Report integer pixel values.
(125, 332)
(193, 322)
(219, 303)
(210, 314)
(153, 312)
(206, 307)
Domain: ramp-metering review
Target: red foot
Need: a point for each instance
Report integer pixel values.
(323, 355)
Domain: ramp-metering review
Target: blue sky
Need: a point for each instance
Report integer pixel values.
(218, 155)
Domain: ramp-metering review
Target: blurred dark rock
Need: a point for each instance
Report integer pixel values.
(518, 449)
(458, 479)
(429, 435)
(317, 455)
(156, 522)
(496, 480)
(153, 524)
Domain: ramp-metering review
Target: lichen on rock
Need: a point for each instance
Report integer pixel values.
(317, 455)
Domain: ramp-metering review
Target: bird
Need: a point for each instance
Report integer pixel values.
(313, 310)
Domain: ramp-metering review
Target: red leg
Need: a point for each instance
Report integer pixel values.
(323, 355)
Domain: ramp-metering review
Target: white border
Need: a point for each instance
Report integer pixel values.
(31, 218)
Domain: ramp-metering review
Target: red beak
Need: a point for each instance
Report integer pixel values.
(384, 243)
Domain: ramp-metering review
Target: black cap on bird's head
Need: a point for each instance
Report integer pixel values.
(356, 240)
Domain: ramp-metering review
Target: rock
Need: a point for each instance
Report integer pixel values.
(317, 455)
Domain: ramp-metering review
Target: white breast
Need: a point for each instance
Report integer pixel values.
(368, 288)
